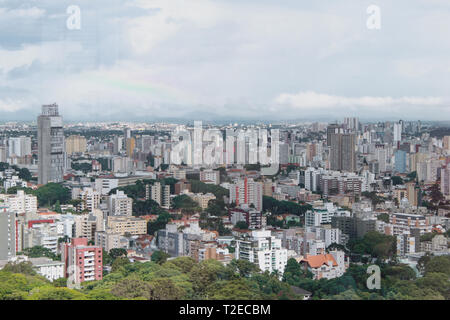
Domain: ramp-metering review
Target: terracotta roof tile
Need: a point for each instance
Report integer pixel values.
(318, 260)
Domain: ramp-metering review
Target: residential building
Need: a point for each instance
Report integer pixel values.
(328, 266)
(75, 144)
(119, 204)
(82, 262)
(8, 233)
(158, 193)
(126, 225)
(262, 249)
(247, 191)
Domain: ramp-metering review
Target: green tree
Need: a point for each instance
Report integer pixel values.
(25, 174)
(132, 288)
(242, 225)
(396, 180)
(55, 293)
(440, 264)
(165, 289)
(39, 251)
(238, 289)
(119, 263)
(50, 193)
(243, 267)
(25, 267)
(186, 204)
(204, 274)
(159, 257)
(159, 223)
(115, 253)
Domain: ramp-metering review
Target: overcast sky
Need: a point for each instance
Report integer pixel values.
(225, 59)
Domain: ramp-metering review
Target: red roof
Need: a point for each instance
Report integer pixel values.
(319, 260)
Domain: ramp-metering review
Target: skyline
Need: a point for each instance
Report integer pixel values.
(220, 60)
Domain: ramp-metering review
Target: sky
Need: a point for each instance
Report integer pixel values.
(151, 60)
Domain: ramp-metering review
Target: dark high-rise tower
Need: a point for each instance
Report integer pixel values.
(342, 149)
(50, 145)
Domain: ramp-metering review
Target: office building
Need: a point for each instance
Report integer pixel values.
(400, 161)
(50, 145)
(342, 151)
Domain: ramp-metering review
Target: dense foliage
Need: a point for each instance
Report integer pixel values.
(280, 207)
(183, 278)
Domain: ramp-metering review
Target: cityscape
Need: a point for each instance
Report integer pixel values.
(84, 205)
(128, 174)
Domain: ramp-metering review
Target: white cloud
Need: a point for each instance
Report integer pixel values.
(49, 52)
(230, 58)
(311, 99)
(11, 105)
(33, 12)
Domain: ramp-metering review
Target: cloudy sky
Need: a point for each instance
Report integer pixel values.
(225, 59)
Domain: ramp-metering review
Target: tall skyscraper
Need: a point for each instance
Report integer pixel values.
(400, 161)
(51, 145)
(342, 150)
(398, 128)
(445, 181)
(332, 129)
(131, 145)
(351, 124)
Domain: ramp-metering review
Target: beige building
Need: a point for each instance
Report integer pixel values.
(158, 193)
(446, 142)
(86, 225)
(75, 144)
(110, 240)
(202, 199)
(126, 224)
(267, 188)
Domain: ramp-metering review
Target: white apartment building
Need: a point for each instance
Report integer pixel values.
(322, 215)
(48, 268)
(19, 146)
(14, 181)
(119, 204)
(105, 185)
(20, 202)
(90, 199)
(264, 250)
